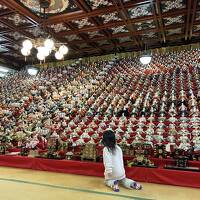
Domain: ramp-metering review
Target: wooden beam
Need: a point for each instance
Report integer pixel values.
(148, 41)
(156, 17)
(82, 14)
(119, 35)
(196, 22)
(13, 5)
(26, 26)
(82, 5)
(18, 29)
(193, 11)
(187, 24)
(14, 50)
(84, 38)
(3, 42)
(55, 36)
(89, 29)
(15, 29)
(120, 23)
(6, 12)
(92, 28)
(160, 20)
(9, 39)
(126, 19)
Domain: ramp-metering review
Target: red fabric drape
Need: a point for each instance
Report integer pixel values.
(153, 175)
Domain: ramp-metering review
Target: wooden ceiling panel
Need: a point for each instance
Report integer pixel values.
(93, 27)
(56, 6)
(15, 19)
(95, 4)
(59, 27)
(173, 5)
(140, 11)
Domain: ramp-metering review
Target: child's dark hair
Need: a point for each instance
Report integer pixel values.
(109, 140)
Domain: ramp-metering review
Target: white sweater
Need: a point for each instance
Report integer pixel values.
(114, 164)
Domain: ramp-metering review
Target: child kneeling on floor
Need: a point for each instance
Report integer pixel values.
(114, 166)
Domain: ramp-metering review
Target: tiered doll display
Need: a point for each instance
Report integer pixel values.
(156, 105)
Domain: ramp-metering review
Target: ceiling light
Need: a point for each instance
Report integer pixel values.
(49, 43)
(25, 52)
(145, 59)
(44, 47)
(40, 56)
(2, 69)
(43, 50)
(27, 44)
(63, 49)
(59, 55)
(32, 71)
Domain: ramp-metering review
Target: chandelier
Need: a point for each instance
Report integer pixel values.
(44, 48)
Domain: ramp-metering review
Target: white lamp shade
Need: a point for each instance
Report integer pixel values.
(40, 56)
(63, 49)
(58, 55)
(46, 51)
(32, 71)
(25, 52)
(2, 69)
(145, 59)
(49, 43)
(39, 49)
(27, 44)
(43, 50)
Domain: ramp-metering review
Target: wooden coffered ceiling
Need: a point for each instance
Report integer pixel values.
(94, 27)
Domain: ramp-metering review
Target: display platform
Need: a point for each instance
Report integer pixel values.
(196, 169)
(144, 166)
(151, 175)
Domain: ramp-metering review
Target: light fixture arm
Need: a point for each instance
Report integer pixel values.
(146, 57)
(44, 46)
